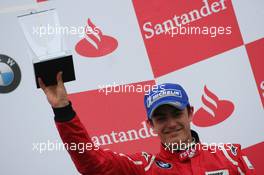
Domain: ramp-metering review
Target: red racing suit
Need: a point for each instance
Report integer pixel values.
(194, 161)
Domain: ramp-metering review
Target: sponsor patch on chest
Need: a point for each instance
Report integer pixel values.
(163, 165)
(218, 172)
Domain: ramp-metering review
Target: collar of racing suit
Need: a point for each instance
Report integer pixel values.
(181, 155)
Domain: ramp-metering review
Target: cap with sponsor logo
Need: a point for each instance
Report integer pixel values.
(166, 93)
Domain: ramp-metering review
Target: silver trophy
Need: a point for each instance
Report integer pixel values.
(44, 36)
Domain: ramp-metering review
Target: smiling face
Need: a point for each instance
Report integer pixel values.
(172, 125)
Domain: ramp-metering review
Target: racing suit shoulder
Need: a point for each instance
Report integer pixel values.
(234, 154)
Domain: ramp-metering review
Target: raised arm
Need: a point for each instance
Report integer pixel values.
(87, 157)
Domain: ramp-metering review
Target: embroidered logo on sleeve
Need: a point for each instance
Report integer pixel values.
(146, 156)
(233, 150)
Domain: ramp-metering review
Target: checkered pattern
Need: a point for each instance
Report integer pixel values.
(229, 66)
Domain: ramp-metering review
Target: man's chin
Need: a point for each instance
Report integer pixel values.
(177, 140)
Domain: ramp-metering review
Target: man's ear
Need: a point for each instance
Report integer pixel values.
(150, 124)
(190, 113)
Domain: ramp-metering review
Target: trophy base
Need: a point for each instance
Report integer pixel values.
(47, 70)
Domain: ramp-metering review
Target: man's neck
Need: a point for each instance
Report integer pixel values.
(183, 145)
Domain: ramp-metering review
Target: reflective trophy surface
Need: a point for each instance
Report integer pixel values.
(43, 33)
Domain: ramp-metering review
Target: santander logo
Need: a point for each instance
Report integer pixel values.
(95, 44)
(213, 111)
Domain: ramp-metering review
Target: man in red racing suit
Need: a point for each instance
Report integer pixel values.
(170, 119)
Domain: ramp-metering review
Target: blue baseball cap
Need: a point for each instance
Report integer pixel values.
(167, 93)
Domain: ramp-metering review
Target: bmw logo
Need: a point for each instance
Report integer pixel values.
(163, 165)
(10, 74)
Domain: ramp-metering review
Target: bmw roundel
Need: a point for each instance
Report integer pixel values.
(163, 164)
(10, 74)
